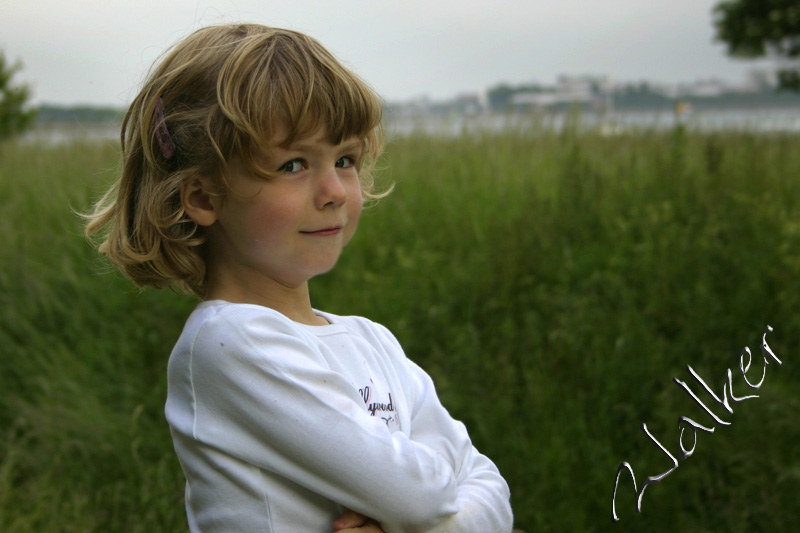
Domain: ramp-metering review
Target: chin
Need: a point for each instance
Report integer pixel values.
(323, 269)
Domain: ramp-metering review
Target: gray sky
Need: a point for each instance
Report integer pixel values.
(97, 51)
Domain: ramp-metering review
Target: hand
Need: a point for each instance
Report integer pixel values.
(353, 522)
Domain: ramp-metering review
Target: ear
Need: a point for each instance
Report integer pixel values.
(197, 202)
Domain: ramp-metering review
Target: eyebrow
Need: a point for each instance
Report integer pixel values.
(311, 146)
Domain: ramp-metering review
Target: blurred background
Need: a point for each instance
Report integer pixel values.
(589, 196)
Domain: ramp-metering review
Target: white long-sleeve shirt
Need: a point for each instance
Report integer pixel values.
(279, 426)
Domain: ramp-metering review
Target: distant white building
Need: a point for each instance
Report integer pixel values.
(759, 79)
(568, 90)
(583, 84)
(471, 103)
(550, 98)
(706, 88)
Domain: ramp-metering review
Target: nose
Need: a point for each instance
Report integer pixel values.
(331, 191)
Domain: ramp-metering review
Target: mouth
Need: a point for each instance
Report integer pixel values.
(324, 232)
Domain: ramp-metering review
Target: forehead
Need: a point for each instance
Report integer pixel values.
(287, 134)
(282, 139)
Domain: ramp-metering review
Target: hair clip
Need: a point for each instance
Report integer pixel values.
(162, 133)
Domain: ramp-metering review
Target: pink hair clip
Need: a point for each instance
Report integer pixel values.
(162, 133)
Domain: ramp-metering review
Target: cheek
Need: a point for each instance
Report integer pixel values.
(358, 205)
(356, 200)
(355, 204)
(269, 225)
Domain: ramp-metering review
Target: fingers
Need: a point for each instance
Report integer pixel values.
(352, 522)
(370, 526)
(349, 519)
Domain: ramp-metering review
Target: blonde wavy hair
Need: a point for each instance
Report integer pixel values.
(224, 92)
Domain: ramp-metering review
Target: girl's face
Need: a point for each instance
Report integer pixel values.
(288, 229)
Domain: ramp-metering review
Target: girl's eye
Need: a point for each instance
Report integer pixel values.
(295, 165)
(345, 162)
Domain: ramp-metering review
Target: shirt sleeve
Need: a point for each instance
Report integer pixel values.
(262, 394)
(483, 496)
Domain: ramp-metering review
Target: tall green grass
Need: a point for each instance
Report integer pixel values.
(553, 283)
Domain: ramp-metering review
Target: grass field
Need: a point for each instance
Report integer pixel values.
(553, 283)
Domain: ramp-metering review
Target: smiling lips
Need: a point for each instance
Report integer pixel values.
(325, 232)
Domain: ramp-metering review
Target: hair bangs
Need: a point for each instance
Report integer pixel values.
(288, 84)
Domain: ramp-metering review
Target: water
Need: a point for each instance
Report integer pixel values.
(764, 120)
(56, 134)
(620, 122)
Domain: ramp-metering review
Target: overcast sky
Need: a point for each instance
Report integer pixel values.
(97, 51)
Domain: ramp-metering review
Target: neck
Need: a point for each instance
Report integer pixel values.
(293, 302)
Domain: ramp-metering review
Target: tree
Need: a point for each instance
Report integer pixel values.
(758, 28)
(14, 117)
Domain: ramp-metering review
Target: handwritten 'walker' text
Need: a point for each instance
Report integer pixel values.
(687, 423)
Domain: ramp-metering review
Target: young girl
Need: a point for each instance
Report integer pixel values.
(246, 157)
